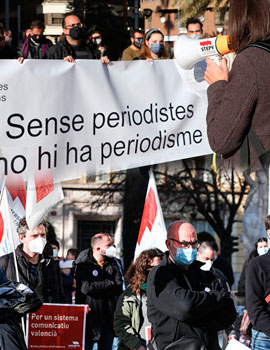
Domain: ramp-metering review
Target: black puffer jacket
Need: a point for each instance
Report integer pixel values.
(99, 287)
(63, 49)
(186, 303)
(44, 279)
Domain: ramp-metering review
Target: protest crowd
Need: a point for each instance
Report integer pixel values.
(179, 298)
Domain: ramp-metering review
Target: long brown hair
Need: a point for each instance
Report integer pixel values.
(249, 21)
(138, 271)
(146, 52)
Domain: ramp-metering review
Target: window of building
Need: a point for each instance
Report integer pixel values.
(86, 229)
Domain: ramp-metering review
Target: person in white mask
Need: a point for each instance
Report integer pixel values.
(36, 269)
(207, 253)
(194, 28)
(99, 284)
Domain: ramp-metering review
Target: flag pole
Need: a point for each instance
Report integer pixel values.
(10, 230)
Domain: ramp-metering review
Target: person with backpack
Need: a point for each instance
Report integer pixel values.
(238, 101)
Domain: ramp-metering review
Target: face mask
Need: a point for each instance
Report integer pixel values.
(196, 36)
(207, 265)
(37, 40)
(138, 43)
(75, 33)
(111, 252)
(37, 245)
(262, 251)
(185, 256)
(98, 41)
(143, 286)
(156, 47)
(55, 253)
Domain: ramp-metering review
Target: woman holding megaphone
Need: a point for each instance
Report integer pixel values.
(239, 101)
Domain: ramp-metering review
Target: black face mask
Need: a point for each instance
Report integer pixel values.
(39, 39)
(75, 33)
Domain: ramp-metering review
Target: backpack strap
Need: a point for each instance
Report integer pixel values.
(264, 45)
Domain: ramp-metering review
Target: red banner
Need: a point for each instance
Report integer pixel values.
(56, 326)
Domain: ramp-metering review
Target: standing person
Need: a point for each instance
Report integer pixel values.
(73, 46)
(99, 284)
(258, 297)
(239, 101)
(136, 38)
(97, 46)
(130, 317)
(36, 44)
(67, 275)
(153, 46)
(6, 51)
(36, 270)
(185, 304)
(194, 28)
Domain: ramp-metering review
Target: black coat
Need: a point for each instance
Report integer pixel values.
(44, 279)
(258, 293)
(63, 49)
(179, 305)
(99, 287)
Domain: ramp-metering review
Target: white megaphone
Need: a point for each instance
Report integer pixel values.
(188, 51)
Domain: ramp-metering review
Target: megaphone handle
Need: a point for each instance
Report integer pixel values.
(216, 59)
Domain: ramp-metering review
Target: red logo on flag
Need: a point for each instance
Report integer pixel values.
(44, 185)
(149, 214)
(16, 188)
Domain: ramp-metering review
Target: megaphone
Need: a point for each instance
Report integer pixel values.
(188, 51)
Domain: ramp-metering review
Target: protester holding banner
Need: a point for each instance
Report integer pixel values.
(99, 284)
(130, 317)
(238, 102)
(35, 269)
(72, 46)
(153, 46)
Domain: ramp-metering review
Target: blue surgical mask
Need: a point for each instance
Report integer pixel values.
(138, 43)
(156, 47)
(185, 256)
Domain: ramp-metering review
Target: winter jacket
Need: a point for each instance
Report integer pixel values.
(186, 303)
(258, 293)
(63, 49)
(99, 287)
(239, 103)
(15, 302)
(127, 321)
(31, 50)
(44, 278)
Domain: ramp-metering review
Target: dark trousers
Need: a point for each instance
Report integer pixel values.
(104, 343)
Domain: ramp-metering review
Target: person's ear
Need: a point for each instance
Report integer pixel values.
(168, 243)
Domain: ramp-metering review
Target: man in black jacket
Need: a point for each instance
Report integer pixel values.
(183, 300)
(36, 270)
(258, 297)
(99, 284)
(72, 46)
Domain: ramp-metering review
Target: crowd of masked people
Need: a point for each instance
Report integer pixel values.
(175, 300)
(77, 43)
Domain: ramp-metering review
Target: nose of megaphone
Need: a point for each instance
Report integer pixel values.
(188, 51)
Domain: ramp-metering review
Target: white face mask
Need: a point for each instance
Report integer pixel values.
(196, 36)
(98, 41)
(111, 252)
(55, 253)
(207, 265)
(262, 250)
(37, 245)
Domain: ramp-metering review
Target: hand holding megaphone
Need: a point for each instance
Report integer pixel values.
(189, 51)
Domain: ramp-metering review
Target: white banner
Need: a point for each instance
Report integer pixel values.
(88, 118)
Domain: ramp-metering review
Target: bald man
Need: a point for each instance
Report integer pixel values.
(185, 303)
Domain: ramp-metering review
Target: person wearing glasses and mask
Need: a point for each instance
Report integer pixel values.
(73, 46)
(130, 317)
(97, 45)
(36, 44)
(185, 304)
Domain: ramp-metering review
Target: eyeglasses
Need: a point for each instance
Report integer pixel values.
(80, 25)
(185, 244)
